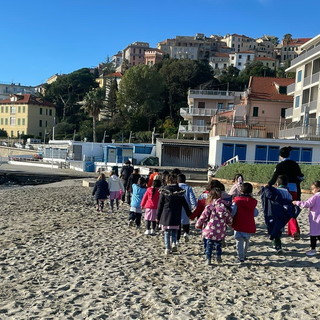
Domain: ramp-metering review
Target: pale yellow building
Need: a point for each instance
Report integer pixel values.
(26, 114)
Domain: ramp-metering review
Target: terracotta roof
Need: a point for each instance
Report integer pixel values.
(221, 54)
(114, 75)
(28, 99)
(298, 41)
(264, 88)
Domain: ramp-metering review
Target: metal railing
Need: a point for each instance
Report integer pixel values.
(291, 88)
(199, 111)
(193, 129)
(306, 55)
(213, 93)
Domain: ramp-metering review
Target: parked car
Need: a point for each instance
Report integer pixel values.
(4, 143)
(18, 145)
(29, 146)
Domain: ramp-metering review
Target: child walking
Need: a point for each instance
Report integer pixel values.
(150, 202)
(138, 190)
(313, 204)
(192, 202)
(243, 212)
(235, 190)
(100, 191)
(213, 222)
(115, 185)
(169, 212)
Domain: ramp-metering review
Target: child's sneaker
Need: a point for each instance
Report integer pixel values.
(311, 252)
(166, 252)
(174, 247)
(208, 262)
(219, 260)
(147, 232)
(186, 237)
(152, 232)
(130, 223)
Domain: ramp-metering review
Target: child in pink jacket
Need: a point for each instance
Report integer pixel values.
(150, 202)
(313, 204)
(213, 222)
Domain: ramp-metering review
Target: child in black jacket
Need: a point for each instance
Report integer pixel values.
(101, 191)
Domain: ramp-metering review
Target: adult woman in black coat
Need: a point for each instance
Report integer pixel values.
(291, 169)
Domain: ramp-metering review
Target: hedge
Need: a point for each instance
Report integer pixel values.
(262, 173)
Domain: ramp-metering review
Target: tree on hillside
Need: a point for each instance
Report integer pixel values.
(179, 76)
(111, 101)
(93, 103)
(140, 97)
(69, 89)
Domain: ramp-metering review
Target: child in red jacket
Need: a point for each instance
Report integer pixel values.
(243, 212)
(150, 202)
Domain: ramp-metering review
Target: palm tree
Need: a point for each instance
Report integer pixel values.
(93, 103)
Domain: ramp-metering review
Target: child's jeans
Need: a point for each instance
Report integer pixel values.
(213, 244)
(242, 245)
(170, 236)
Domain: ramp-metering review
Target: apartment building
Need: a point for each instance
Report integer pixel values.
(240, 59)
(191, 47)
(303, 119)
(220, 60)
(153, 56)
(261, 112)
(289, 48)
(271, 63)
(26, 115)
(133, 54)
(202, 105)
(14, 88)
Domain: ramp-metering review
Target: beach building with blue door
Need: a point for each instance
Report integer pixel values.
(257, 150)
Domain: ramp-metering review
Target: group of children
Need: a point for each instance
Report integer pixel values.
(169, 204)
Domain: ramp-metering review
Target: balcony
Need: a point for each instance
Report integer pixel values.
(306, 55)
(194, 129)
(291, 88)
(289, 113)
(212, 94)
(191, 112)
(301, 132)
(309, 107)
(311, 79)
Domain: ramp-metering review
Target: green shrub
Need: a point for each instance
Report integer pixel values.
(262, 173)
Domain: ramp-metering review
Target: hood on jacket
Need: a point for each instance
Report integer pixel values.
(172, 191)
(114, 178)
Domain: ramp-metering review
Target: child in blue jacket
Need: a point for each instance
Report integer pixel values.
(138, 190)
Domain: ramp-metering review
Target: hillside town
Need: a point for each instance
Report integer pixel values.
(217, 124)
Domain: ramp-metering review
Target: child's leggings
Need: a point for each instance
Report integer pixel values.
(313, 241)
(151, 225)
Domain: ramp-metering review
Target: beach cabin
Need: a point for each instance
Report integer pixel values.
(257, 150)
(182, 153)
(90, 156)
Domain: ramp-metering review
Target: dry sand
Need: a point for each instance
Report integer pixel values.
(60, 259)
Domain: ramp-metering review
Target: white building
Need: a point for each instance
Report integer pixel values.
(240, 59)
(304, 117)
(13, 88)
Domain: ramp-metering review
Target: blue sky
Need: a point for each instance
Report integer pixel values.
(40, 38)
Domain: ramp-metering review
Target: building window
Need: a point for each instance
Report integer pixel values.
(19, 109)
(283, 112)
(12, 110)
(19, 122)
(299, 76)
(2, 109)
(201, 104)
(6, 121)
(7, 109)
(40, 123)
(46, 123)
(239, 63)
(283, 90)
(40, 110)
(220, 105)
(50, 112)
(46, 112)
(255, 112)
(297, 102)
(1, 121)
(23, 109)
(40, 134)
(12, 121)
(240, 56)
(23, 121)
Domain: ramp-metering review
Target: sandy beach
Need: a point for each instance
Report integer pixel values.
(60, 259)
